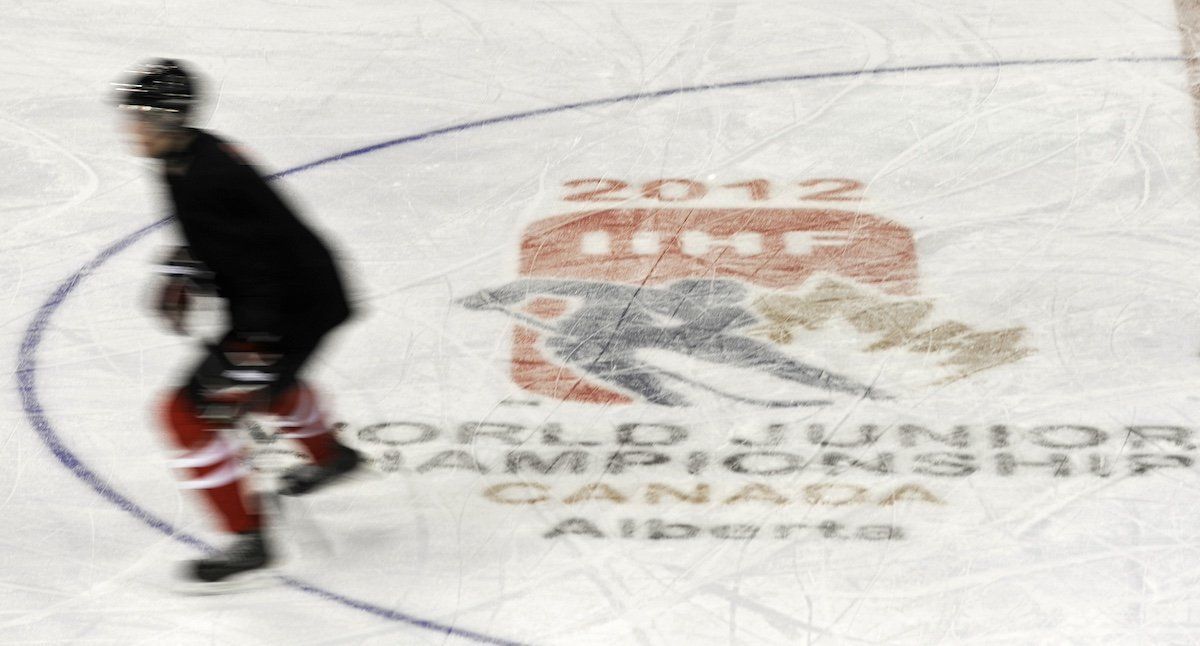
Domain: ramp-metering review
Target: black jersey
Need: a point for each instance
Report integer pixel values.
(277, 277)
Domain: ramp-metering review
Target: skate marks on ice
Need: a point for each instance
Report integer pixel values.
(33, 337)
(40, 157)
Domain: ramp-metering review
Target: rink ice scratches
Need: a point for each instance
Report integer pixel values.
(82, 191)
(81, 471)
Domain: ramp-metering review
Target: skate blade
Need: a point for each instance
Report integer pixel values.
(244, 582)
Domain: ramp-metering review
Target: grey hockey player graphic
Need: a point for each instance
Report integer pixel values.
(699, 318)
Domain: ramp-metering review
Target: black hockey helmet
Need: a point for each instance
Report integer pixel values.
(162, 89)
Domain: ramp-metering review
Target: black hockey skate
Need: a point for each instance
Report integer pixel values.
(233, 568)
(306, 478)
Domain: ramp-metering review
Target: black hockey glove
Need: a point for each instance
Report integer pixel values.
(185, 278)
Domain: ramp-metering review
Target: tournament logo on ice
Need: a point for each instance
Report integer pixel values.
(668, 303)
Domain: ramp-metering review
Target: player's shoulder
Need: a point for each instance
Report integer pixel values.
(214, 152)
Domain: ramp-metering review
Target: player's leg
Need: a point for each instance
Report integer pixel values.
(213, 467)
(299, 416)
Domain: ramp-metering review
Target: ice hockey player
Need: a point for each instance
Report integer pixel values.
(282, 292)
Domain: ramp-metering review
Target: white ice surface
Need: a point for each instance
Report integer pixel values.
(1061, 198)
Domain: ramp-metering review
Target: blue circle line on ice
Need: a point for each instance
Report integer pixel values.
(27, 356)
